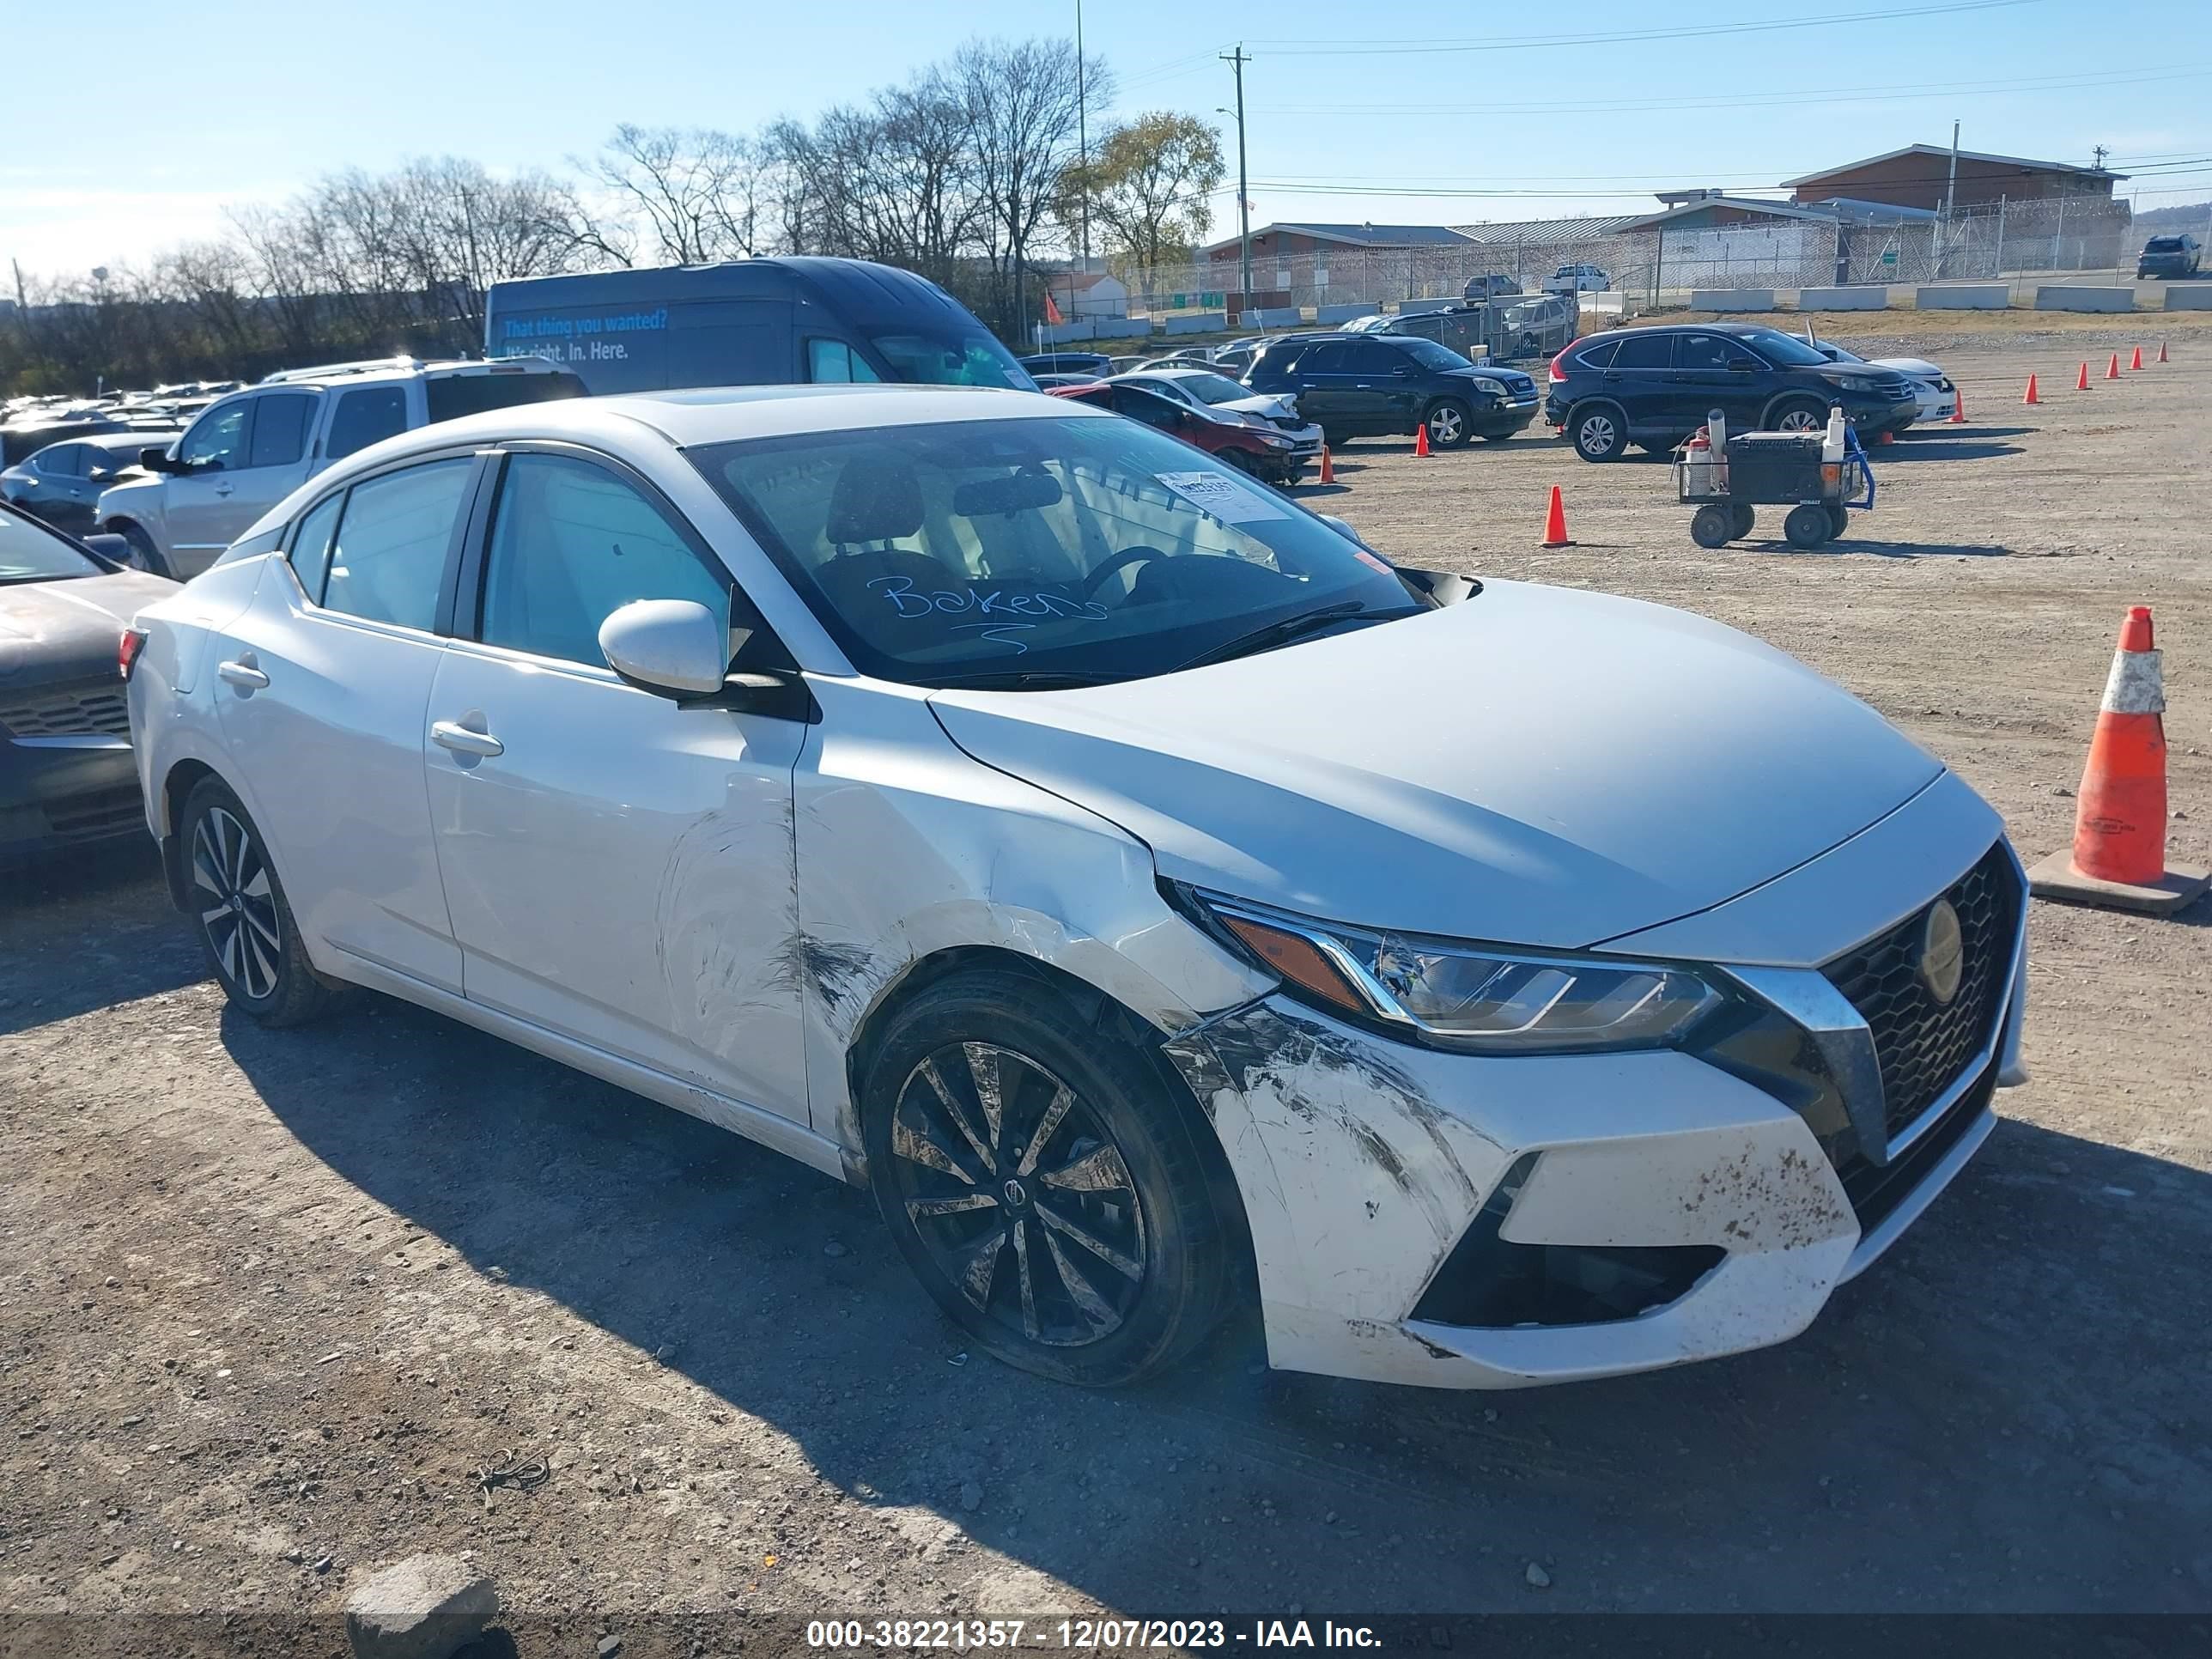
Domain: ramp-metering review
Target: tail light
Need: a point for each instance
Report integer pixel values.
(127, 650)
(1557, 373)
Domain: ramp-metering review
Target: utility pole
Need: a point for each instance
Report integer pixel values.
(1950, 197)
(1238, 59)
(1082, 142)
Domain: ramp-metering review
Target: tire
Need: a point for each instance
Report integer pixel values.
(1498, 437)
(243, 920)
(144, 556)
(1712, 526)
(1449, 424)
(1797, 415)
(1600, 434)
(1840, 519)
(1745, 517)
(1807, 527)
(971, 1205)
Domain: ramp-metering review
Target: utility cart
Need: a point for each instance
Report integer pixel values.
(1817, 476)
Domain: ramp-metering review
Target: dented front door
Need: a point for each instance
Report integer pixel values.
(619, 868)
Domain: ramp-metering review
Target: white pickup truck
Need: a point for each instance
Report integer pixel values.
(180, 506)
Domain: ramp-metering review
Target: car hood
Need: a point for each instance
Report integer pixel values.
(1536, 765)
(53, 626)
(1267, 406)
(1919, 367)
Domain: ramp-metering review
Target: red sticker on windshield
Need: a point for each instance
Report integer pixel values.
(1367, 558)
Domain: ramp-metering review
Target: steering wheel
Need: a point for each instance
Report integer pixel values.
(1119, 561)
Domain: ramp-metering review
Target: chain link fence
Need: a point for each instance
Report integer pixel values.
(1643, 265)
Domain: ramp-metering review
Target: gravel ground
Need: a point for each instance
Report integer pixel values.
(272, 1303)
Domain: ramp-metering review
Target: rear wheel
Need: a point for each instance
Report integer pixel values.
(244, 918)
(1745, 519)
(1840, 519)
(1599, 434)
(1043, 1184)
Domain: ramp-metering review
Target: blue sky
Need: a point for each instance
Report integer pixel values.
(185, 110)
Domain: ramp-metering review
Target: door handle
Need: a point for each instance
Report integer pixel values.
(225, 488)
(243, 674)
(451, 734)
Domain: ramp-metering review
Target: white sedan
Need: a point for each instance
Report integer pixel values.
(1938, 397)
(992, 802)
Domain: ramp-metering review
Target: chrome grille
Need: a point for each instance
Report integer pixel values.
(1922, 1044)
(79, 709)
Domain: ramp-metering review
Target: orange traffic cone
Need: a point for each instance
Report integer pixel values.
(1327, 466)
(1555, 522)
(2112, 370)
(2081, 380)
(1886, 438)
(2031, 398)
(1421, 439)
(2135, 361)
(2119, 857)
(1958, 404)
(2161, 351)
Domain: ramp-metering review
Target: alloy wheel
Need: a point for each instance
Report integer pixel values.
(1014, 1187)
(1595, 434)
(1444, 425)
(237, 903)
(1801, 420)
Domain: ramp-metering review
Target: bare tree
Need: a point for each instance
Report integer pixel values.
(697, 190)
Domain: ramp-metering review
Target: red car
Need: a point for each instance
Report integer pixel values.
(1260, 451)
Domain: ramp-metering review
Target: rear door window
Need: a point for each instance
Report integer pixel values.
(1330, 357)
(280, 428)
(1598, 354)
(1652, 351)
(388, 559)
(365, 416)
(451, 396)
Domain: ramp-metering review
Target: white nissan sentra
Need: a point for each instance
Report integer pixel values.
(1157, 899)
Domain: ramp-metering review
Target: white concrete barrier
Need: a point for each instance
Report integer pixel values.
(2189, 296)
(1732, 299)
(1342, 313)
(2058, 297)
(1196, 322)
(1964, 297)
(1120, 328)
(1053, 334)
(1276, 316)
(1843, 299)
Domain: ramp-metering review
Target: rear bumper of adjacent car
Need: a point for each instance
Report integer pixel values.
(61, 791)
(1462, 1221)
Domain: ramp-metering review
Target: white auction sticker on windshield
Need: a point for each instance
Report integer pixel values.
(1229, 500)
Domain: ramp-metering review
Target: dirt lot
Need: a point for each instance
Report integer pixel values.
(270, 1302)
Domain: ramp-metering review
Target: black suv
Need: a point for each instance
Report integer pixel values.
(2168, 257)
(1372, 386)
(1654, 387)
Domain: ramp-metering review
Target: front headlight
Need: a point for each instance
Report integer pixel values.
(1479, 998)
(1858, 383)
(1484, 383)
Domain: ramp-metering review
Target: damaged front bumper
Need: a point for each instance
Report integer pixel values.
(1456, 1220)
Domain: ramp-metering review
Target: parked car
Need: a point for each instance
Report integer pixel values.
(1095, 364)
(62, 483)
(2169, 257)
(1490, 286)
(1366, 386)
(1459, 327)
(1205, 389)
(1577, 279)
(1253, 447)
(65, 773)
(1654, 387)
(1236, 358)
(782, 321)
(20, 440)
(1049, 381)
(246, 453)
(1013, 810)
(1938, 397)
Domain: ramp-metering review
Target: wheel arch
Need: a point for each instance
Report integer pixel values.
(1782, 400)
(178, 783)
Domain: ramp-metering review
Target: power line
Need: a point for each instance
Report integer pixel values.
(1670, 32)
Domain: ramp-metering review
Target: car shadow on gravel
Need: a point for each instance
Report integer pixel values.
(1849, 542)
(111, 905)
(2004, 1413)
(1942, 449)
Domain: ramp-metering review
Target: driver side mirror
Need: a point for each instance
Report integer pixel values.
(157, 460)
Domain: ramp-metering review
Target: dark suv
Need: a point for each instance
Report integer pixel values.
(2168, 257)
(1372, 386)
(1654, 387)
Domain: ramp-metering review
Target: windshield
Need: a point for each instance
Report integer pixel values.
(1783, 350)
(29, 552)
(1429, 354)
(1213, 388)
(962, 359)
(1087, 546)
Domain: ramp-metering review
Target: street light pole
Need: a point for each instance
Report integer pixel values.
(1082, 136)
(1238, 59)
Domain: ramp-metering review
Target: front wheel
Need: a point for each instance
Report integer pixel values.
(1447, 425)
(1599, 434)
(1801, 418)
(1042, 1183)
(244, 918)
(1807, 526)
(144, 556)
